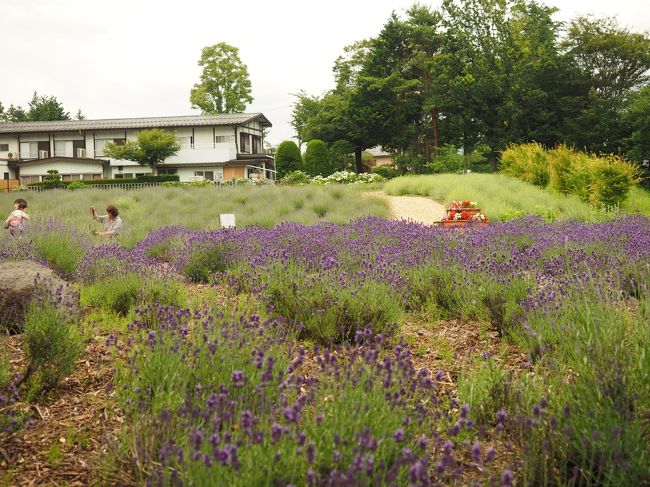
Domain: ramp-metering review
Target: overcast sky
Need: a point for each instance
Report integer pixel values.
(138, 58)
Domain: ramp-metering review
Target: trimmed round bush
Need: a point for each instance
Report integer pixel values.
(317, 159)
(287, 158)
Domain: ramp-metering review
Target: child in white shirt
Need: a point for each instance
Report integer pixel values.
(16, 220)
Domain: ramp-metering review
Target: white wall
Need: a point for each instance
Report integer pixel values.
(13, 146)
(36, 169)
(4, 168)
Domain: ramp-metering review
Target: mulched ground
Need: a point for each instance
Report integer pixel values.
(71, 432)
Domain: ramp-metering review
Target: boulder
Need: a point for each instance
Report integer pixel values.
(20, 281)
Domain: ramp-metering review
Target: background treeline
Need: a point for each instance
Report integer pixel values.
(477, 75)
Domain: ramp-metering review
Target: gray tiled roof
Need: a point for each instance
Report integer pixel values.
(133, 123)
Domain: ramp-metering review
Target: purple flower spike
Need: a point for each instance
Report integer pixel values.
(399, 435)
(507, 478)
(464, 410)
(238, 378)
(476, 452)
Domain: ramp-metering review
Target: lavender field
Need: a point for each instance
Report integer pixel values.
(288, 356)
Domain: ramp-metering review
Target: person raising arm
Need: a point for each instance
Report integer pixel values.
(112, 221)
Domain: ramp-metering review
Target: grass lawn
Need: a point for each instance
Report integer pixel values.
(198, 208)
(504, 198)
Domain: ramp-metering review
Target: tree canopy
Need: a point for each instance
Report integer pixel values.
(224, 85)
(151, 148)
(482, 73)
(41, 109)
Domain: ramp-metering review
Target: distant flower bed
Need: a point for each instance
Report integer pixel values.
(340, 177)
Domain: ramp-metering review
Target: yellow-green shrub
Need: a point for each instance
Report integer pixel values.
(611, 180)
(569, 173)
(528, 162)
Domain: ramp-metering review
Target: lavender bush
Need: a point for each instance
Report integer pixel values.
(212, 395)
(216, 397)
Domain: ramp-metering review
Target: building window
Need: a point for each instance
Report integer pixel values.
(220, 139)
(71, 177)
(24, 180)
(257, 144)
(4, 147)
(128, 175)
(166, 170)
(209, 175)
(29, 150)
(244, 144)
(91, 176)
(63, 148)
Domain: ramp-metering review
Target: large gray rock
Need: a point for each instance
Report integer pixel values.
(20, 281)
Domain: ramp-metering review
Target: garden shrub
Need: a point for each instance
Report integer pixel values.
(569, 171)
(158, 178)
(317, 159)
(320, 210)
(53, 345)
(502, 304)
(611, 180)
(528, 162)
(287, 158)
(77, 185)
(295, 177)
(598, 430)
(387, 172)
(345, 177)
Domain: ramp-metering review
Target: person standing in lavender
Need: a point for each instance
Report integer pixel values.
(112, 222)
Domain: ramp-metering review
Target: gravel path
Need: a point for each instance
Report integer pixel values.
(415, 208)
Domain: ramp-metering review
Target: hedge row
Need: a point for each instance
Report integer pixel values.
(162, 178)
(604, 180)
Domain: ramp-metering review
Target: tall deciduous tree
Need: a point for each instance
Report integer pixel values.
(151, 148)
(224, 86)
(613, 60)
(304, 108)
(637, 118)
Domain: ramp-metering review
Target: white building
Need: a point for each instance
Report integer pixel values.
(215, 147)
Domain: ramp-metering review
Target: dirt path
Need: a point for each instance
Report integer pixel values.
(415, 208)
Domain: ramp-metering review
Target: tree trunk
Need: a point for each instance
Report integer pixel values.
(493, 161)
(357, 159)
(427, 148)
(434, 127)
(154, 169)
